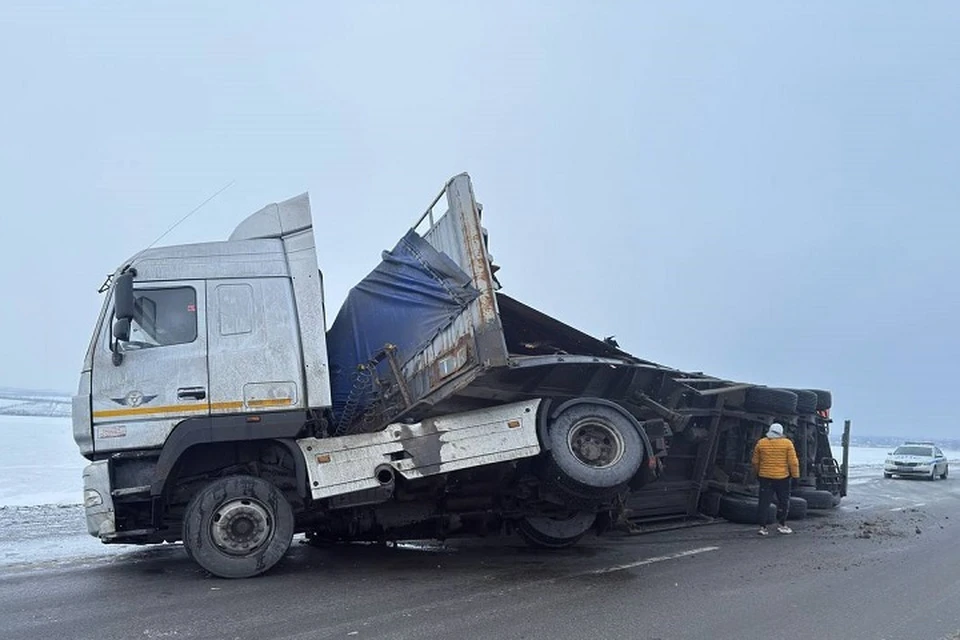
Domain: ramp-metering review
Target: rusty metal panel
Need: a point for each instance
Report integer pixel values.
(474, 339)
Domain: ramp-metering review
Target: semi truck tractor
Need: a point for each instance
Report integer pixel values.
(217, 407)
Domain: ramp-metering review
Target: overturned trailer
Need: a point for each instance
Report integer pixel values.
(708, 467)
(700, 430)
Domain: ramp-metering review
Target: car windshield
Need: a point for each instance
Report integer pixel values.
(913, 451)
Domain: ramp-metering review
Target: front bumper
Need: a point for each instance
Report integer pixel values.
(97, 501)
(907, 471)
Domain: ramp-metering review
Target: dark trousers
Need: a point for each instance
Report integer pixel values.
(769, 487)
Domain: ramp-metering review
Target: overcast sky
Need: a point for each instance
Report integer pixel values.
(767, 192)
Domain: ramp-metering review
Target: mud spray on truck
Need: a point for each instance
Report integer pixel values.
(217, 408)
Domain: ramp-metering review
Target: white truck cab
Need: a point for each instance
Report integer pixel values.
(211, 412)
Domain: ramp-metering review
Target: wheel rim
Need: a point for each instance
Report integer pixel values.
(595, 444)
(241, 526)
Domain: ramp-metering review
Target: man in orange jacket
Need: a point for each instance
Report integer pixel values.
(775, 463)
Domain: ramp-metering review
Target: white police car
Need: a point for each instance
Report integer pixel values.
(916, 460)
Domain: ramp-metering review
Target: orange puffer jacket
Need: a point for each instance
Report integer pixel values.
(775, 458)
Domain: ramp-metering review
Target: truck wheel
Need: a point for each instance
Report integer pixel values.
(767, 400)
(555, 533)
(238, 527)
(816, 498)
(824, 399)
(743, 510)
(798, 508)
(806, 401)
(595, 450)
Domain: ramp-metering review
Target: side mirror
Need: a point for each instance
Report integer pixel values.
(123, 297)
(121, 329)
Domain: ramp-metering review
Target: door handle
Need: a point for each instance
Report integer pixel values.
(192, 393)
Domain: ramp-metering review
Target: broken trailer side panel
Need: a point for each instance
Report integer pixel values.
(420, 326)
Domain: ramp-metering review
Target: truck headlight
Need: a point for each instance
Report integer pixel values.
(92, 498)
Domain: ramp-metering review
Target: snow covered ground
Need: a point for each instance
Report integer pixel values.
(39, 462)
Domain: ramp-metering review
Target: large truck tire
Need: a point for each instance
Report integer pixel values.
(798, 508)
(816, 498)
(595, 450)
(238, 527)
(824, 399)
(710, 503)
(743, 510)
(807, 401)
(555, 533)
(767, 400)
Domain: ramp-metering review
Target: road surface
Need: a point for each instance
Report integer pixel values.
(884, 565)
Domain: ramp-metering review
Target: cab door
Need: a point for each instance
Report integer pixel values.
(256, 363)
(162, 377)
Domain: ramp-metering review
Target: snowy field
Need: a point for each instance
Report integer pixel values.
(39, 462)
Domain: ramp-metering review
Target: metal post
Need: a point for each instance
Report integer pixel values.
(706, 458)
(804, 436)
(845, 442)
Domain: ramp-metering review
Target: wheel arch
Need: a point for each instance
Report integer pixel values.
(279, 429)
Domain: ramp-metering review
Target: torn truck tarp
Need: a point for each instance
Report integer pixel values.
(415, 292)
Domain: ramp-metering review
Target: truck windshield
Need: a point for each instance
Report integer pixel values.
(163, 317)
(913, 451)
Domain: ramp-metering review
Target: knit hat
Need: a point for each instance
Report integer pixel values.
(775, 431)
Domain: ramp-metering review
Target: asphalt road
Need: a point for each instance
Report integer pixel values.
(884, 565)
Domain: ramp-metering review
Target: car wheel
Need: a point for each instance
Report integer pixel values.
(238, 526)
(887, 475)
(933, 474)
(943, 476)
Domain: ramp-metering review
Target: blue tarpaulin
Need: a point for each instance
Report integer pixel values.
(414, 293)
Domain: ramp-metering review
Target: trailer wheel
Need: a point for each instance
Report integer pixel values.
(595, 450)
(816, 498)
(743, 510)
(765, 399)
(798, 508)
(806, 401)
(555, 533)
(238, 527)
(824, 399)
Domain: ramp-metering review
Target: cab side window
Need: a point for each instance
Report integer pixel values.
(163, 317)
